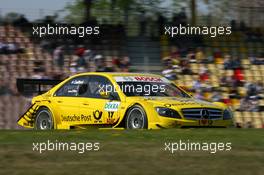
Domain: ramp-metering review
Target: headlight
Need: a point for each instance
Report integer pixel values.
(227, 114)
(167, 112)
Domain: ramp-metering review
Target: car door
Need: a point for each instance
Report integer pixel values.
(67, 100)
(102, 110)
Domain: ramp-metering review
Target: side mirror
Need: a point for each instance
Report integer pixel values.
(108, 95)
(105, 94)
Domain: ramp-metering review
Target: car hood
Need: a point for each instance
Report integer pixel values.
(175, 102)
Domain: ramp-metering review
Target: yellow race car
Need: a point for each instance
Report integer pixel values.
(118, 100)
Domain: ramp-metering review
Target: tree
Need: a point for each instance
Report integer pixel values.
(11, 17)
(76, 12)
(193, 11)
(112, 10)
(88, 6)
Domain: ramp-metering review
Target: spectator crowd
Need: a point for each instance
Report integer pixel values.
(224, 82)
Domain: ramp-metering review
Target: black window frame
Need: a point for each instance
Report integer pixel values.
(56, 93)
(87, 95)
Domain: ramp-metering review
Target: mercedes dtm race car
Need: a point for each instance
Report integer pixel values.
(118, 100)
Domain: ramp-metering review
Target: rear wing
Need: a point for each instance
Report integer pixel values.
(29, 87)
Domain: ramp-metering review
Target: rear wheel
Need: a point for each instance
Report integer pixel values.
(136, 118)
(44, 119)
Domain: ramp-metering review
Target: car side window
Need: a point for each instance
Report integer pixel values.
(75, 87)
(97, 84)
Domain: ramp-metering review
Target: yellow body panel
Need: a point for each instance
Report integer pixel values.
(85, 112)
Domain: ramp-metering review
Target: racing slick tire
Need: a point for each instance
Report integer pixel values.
(136, 118)
(44, 119)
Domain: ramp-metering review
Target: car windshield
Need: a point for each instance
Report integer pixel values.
(161, 89)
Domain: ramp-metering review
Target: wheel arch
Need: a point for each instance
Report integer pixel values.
(122, 122)
(52, 113)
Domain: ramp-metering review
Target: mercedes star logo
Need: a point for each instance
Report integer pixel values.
(205, 114)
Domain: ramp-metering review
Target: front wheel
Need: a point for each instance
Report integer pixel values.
(136, 118)
(44, 119)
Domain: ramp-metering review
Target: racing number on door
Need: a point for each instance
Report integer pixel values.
(110, 119)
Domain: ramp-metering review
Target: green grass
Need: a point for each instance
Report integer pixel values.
(133, 152)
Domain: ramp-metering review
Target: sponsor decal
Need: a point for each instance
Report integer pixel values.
(72, 91)
(111, 106)
(141, 79)
(77, 82)
(128, 78)
(183, 101)
(97, 114)
(76, 118)
(151, 79)
(181, 104)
